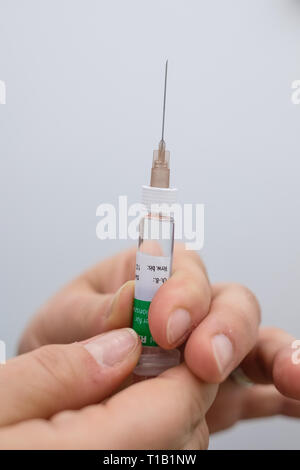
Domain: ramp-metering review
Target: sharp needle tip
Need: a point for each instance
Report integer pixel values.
(164, 102)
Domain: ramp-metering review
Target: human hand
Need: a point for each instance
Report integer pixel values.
(275, 389)
(90, 305)
(219, 324)
(167, 412)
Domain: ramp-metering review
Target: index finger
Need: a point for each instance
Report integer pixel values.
(182, 302)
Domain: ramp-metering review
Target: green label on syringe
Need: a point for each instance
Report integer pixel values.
(140, 322)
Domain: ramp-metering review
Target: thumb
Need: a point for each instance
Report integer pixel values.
(58, 377)
(76, 313)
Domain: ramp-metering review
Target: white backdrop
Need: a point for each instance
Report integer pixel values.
(83, 113)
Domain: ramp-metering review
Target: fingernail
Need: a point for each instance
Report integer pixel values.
(113, 347)
(178, 325)
(223, 351)
(115, 299)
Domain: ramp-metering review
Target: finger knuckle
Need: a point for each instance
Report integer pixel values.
(193, 255)
(250, 301)
(201, 436)
(180, 250)
(272, 332)
(55, 365)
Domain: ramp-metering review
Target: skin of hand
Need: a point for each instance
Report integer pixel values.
(216, 325)
(37, 387)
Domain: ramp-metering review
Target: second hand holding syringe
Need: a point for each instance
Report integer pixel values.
(154, 258)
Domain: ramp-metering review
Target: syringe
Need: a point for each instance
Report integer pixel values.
(154, 257)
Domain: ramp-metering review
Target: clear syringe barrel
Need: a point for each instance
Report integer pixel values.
(153, 269)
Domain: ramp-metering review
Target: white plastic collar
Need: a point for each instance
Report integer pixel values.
(152, 195)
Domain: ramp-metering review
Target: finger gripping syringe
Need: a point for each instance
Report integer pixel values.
(154, 257)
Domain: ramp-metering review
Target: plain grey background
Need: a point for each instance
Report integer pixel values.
(83, 114)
